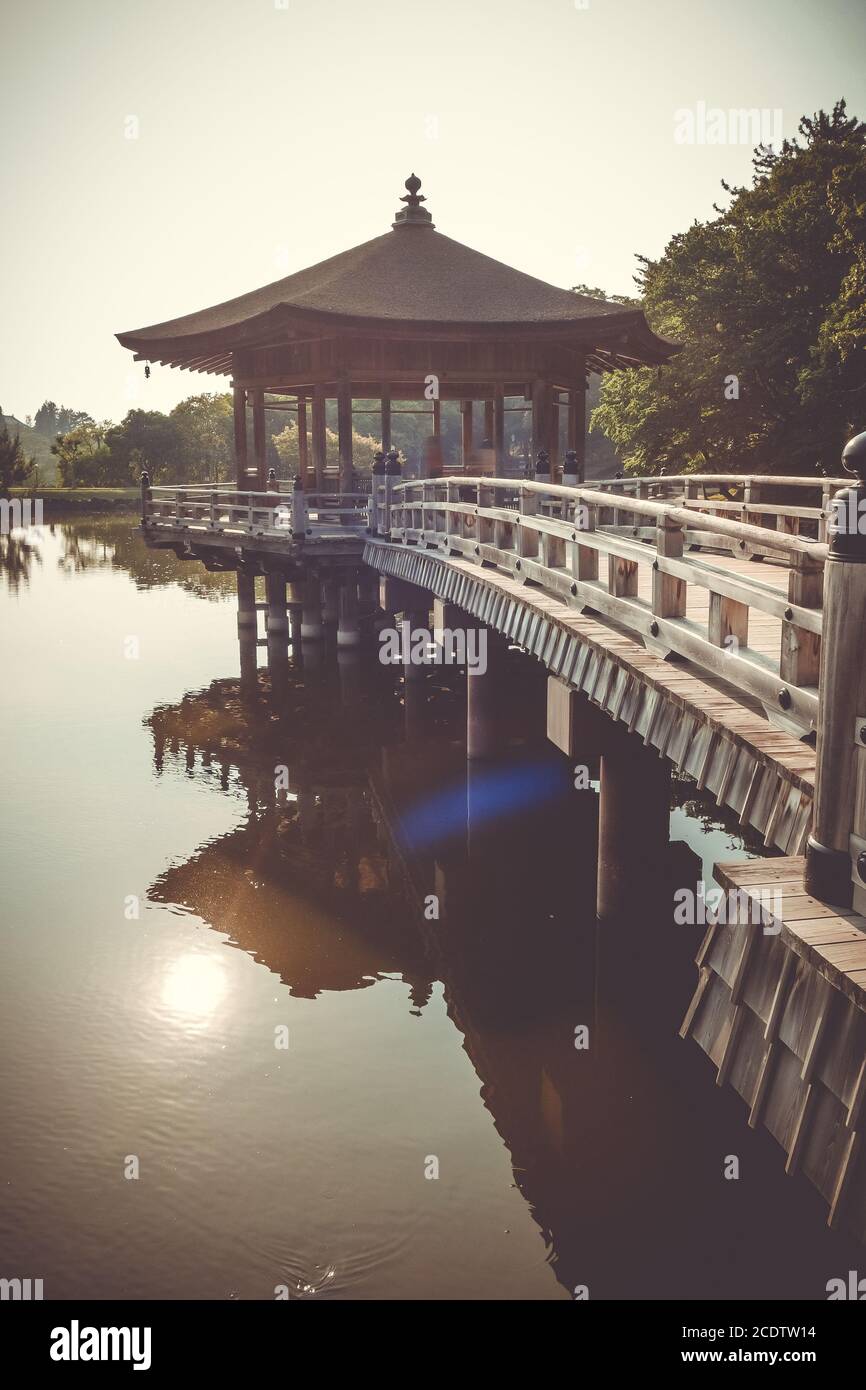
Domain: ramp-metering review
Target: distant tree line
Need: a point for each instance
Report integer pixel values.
(192, 443)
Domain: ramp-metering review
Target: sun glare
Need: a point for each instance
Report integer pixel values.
(193, 989)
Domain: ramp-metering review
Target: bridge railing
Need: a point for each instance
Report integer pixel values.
(224, 508)
(761, 500)
(553, 536)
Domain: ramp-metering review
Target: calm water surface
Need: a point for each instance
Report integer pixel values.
(166, 920)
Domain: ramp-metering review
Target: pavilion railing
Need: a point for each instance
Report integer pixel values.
(554, 537)
(224, 508)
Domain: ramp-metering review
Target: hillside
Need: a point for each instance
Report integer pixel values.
(37, 446)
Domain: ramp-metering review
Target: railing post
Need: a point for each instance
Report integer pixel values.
(800, 655)
(825, 513)
(569, 477)
(299, 510)
(213, 511)
(527, 537)
(839, 814)
(376, 478)
(392, 475)
(485, 497)
(145, 495)
(584, 559)
(273, 491)
(669, 593)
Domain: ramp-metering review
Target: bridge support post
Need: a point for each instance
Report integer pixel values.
(484, 725)
(275, 593)
(574, 725)
(311, 613)
(330, 602)
(414, 619)
(248, 657)
(839, 816)
(633, 822)
(348, 628)
(246, 601)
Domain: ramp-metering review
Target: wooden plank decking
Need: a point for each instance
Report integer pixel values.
(780, 1008)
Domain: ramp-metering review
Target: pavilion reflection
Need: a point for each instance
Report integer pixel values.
(333, 853)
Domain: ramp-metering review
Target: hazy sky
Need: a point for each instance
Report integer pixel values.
(274, 133)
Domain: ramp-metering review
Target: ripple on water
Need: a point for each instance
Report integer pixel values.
(344, 1271)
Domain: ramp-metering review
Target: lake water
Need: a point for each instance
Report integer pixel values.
(245, 1000)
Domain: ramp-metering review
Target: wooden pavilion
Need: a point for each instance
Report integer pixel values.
(409, 316)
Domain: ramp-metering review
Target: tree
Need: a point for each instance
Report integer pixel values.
(146, 439)
(363, 448)
(205, 438)
(85, 460)
(15, 468)
(52, 419)
(768, 302)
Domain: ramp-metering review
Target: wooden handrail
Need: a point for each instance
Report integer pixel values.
(737, 530)
(727, 479)
(560, 550)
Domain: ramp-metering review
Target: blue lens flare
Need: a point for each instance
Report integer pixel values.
(493, 794)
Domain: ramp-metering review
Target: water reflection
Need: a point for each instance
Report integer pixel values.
(19, 552)
(306, 901)
(329, 882)
(193, 989)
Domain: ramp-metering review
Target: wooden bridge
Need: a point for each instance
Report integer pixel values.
(697, 623)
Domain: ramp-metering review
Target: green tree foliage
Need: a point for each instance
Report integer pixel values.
(205, 438)
(286, 444)
(145, 439)
(85, 460)
(768, 301)
(193, 444)
(52, 419)
(15, 468)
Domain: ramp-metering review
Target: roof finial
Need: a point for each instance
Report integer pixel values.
(413, 214)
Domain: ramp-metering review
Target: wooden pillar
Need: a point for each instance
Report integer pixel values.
(259, 441)
(484, 724)
(553, 434)
(318, 437)
(386, 418)
(344, 431)
(466, 437)
(577, 424)
(239, 397)
(246, 600)
(498, 435)
(303, 453)
(488, 420)
(311, 614)
(633, 822)
(437, 417)
(275, 593)
(349, 630)
(839, 823)
(540, 417)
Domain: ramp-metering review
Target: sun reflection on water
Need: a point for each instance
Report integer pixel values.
(193, 989)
